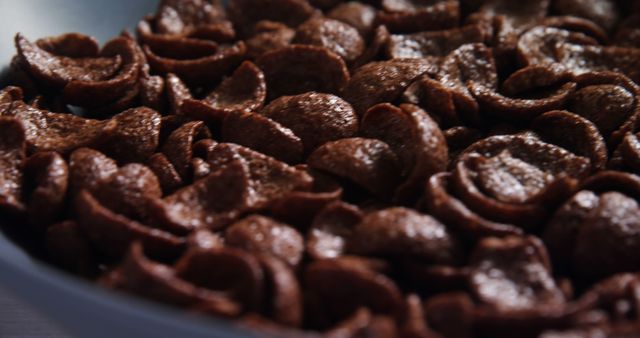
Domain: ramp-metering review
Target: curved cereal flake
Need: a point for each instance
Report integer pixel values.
(518, 175)
(523, 281)
(340, 287)
(534, 77)
(538, 45)
(438, 100)
(527, 93)
(174, 45)
(300, 207)
(209, 203)
(263, 135)
(234, 272)
(128, 191)
(246, 13)
(508, 20)
(555, 47)
(48, 173)
(314, 117)
(584, 58)
(627, 155)
(609, 180)
(608, 237)
(62, 133)
(201, 70)
(71, 44)
(54, 68)
(88, 167)
(406, 233)
(178, 146)
(169, 124)
(177, 92)
(12, 157)
(417, 16)
(383, 81)
(199, 110)
(245, 90)
(175, 17)
(471, 63)
(561, 231)
(263, 235)
(609, 100)
(85, 76)
(514, 109)
(269, 179)
(337, 36)
(222, 32)
(358, 15)
(139, 275)
(433, 44)
(584, 140)
(577, 24)
(137, 136)
(152, 90)
(331, 228)
(166, 173)
(446, 207)
(268, 36)
(369, 163)
(285, 304)
(299, 69)
(459, 138)
(379, 39)
(416, 139)
(94, 94)
(112, 233)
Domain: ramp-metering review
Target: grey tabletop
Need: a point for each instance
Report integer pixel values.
(19, 320)
(35, 19)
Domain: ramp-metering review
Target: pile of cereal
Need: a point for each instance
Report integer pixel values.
(378, 168)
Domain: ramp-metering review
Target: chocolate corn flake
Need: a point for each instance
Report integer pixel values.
(416, 16)
(264, 235)
(245, 90)
(198, 69)
(49, 173)
(254, 130)
(335, 35)
(292, 70)
(314, 117)
(13, 150)
(384, 81)
(369, 163)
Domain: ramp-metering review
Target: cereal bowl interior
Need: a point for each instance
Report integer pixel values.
(323, 168)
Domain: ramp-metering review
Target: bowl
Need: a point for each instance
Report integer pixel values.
(83, 309)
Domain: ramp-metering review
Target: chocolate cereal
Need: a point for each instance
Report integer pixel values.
(342, 169)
